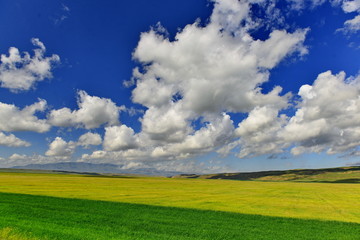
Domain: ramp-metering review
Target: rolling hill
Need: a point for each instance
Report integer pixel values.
(329, 175)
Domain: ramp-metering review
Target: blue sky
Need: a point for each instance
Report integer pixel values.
(191, 86)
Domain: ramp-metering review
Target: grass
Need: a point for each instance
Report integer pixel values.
(322, 201)
(69, 219)
(12, 234)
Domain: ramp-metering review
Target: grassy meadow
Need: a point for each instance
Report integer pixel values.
(63, 206)
(41, 217)
(282, 199)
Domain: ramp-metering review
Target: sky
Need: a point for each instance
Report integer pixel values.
(191, 86)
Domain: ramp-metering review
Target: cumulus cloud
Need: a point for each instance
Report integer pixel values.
(92, 113)
(20, 72)
(326, 119)
(64, 150)
(16, 156)
(117, 156)
(88, 139)
(328, 115)
(228, 14)
(14, 119)
(204, 72)
(211, 70)
(258, 133)
(61, 148)
(12, 141)
(207, 72)
(167, 123)
(190, 86)
(119, 138)
(215, 133)
(23, 159)
(14, 160)
(351, 6)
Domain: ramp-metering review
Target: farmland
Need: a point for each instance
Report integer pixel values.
(66, 206)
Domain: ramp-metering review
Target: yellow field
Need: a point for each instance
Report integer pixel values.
(325, 201)
(11, 234)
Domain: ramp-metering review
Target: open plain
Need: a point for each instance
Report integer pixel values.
(70, 206)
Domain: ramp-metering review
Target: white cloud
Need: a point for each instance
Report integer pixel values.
(211, 71)
(21, 72)
(205, 71)
(259, 132)
(228, 14)
(64, 150)
(88, 139)
(101, 156)
(215, 133)
(352, 25)
(23, 159)
(328, 117)
(92, 113)
(14, 160)
(192, 85)
(166, 124)
(186, 165)
(12, 141)
(119, 138)
(61, 148)
(351, 6)
(279, 44)
(16, 156)
(14, 119)
(121, 143)
(259, 119)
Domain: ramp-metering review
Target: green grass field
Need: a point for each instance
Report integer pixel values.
(163, 208)
(58, 218)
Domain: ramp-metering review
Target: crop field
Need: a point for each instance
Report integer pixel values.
(54, 206)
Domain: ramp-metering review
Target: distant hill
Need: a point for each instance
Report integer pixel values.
(330, 175)
(82, 167)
